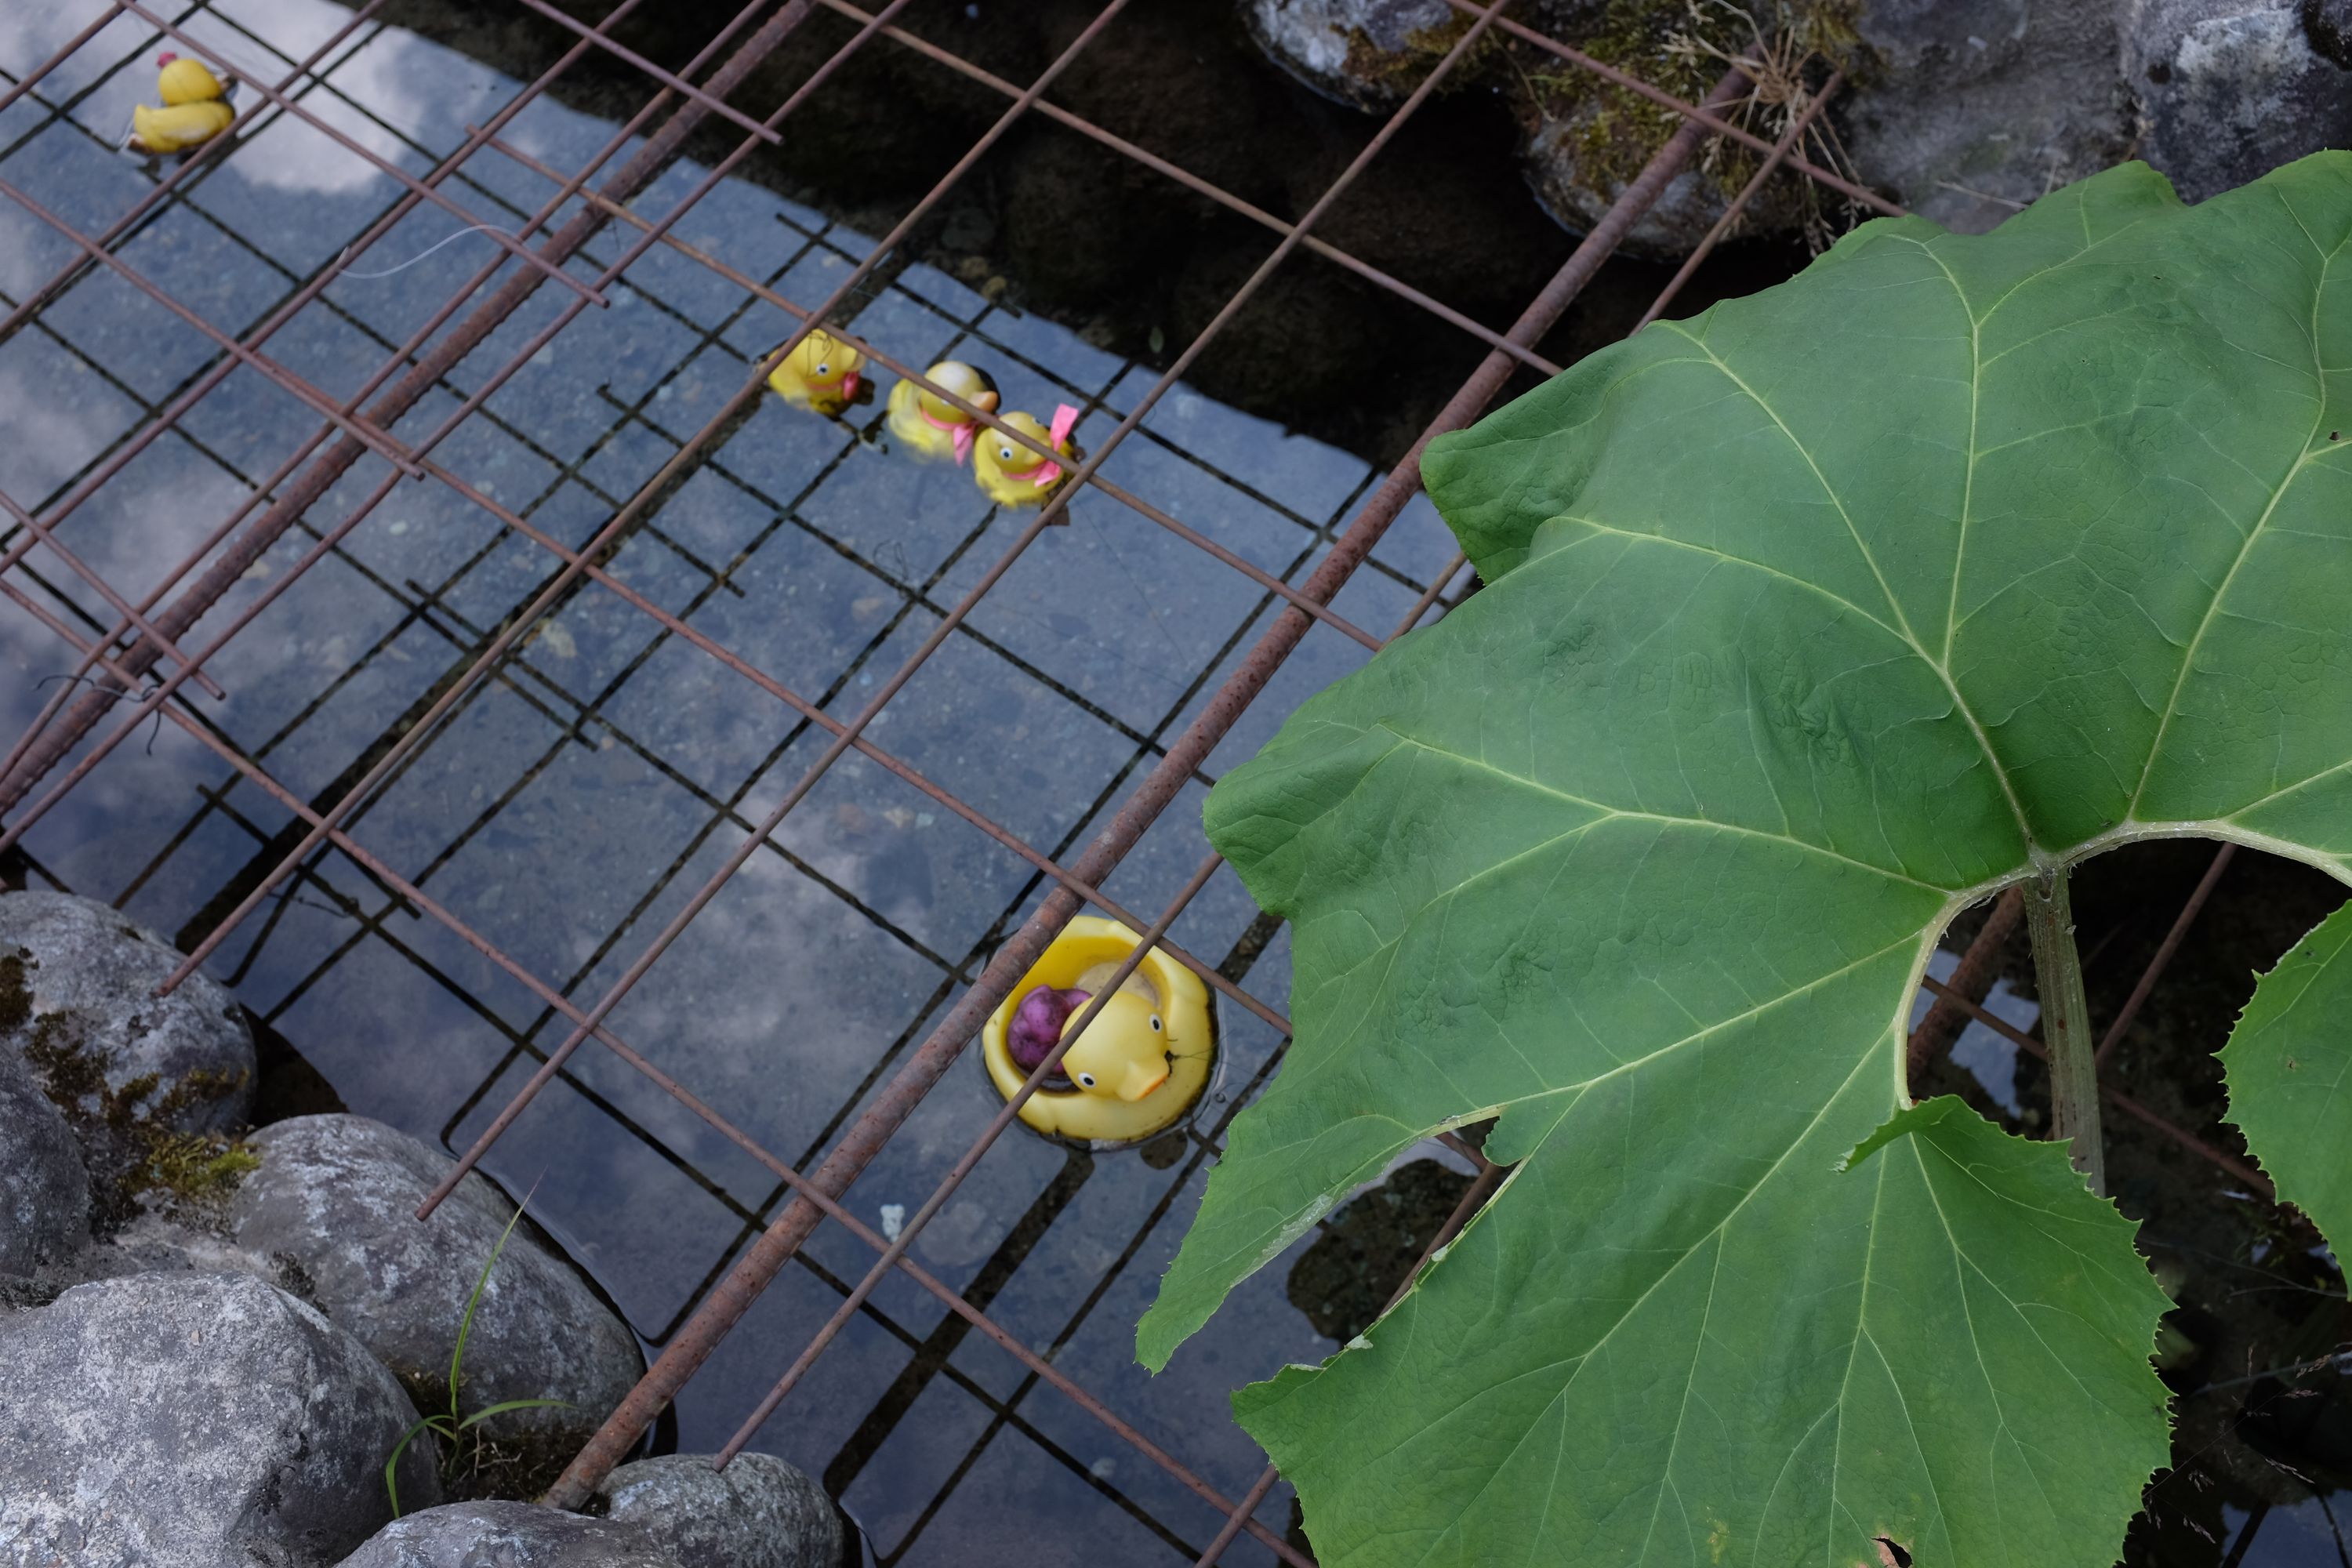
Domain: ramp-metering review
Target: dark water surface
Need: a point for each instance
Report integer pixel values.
(568, 808)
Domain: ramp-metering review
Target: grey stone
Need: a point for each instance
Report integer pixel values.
(77, 1000)
(1970, 109)
(759, 1512)
(1576, 195)
(1372, 54)
(192, 1420)
(44, 1190)
(337, 1195)
(1967, 110)
(2229, 90)
(507, 1535)
(155, 1243)
(174, 1239)
(1361, 52)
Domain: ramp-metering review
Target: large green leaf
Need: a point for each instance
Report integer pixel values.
(2290, 1076)
(1811, 621)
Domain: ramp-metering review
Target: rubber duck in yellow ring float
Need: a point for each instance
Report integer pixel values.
(931, 429)
(195, 109)
(1135, 1069)
(821, 375)
(1010, 474)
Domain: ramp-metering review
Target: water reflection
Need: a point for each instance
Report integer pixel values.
(568, 808)
(1988, 1055)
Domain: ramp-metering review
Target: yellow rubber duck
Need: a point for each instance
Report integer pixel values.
(931, 428)
(195, 109)
(1137, 1068)
(820, 375)
(1010, 474)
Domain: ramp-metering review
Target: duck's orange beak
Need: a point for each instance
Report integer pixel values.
(1141, 1081)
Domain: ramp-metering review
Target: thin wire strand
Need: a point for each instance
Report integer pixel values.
(345, 271)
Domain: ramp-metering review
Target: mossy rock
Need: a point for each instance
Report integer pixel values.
(43, 1193)
(1583, 139)
(1370, 54)
(337, 1197)
(155, 1088)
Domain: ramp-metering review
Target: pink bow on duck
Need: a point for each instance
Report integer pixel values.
(962, 435)
(1065, 419)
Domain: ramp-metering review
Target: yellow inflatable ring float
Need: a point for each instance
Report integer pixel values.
(1137, 1068)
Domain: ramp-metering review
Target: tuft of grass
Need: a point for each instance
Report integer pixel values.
(451, 1426)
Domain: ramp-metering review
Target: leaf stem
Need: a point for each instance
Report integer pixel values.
(2066, 1025)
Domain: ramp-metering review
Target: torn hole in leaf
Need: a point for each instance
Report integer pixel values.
(1891, 1553)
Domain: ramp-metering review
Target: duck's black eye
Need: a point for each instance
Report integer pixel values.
(1086, 1079)
(1155, 1022)
(825, 370)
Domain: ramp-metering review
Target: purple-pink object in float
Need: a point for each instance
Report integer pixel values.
(1037, 1024)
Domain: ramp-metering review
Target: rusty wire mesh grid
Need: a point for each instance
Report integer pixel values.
(606, 593)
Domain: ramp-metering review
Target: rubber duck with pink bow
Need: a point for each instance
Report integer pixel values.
(928, 427)
(1011, 474)
(822, 375)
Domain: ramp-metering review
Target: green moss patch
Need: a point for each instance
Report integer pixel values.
(128, 1128)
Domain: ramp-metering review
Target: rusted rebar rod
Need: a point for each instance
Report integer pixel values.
(361, 430)
(1239, 1518)
(1698, 114)
(202, 158)
(734, 1295)
(1747, 194)
(600, 36)
(1474, 1198)
(2254, 1179)
(105, 590)
(253, 543)
(547, 266)
(631, 177)
(400, 887)
(2165, 950)
(1044, 517)
(1215, 193)
(1978, 968)
(988, 419)
(90, 29)
(169, 416)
